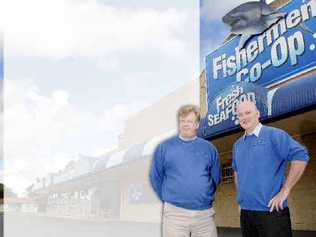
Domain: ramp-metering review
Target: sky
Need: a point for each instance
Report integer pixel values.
(75, 70)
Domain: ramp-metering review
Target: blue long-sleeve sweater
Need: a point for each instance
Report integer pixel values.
(260, 163)
(186, 173)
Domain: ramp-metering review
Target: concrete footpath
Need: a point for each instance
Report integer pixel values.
(23, 225)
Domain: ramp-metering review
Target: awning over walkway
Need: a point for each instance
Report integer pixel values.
(132, 153)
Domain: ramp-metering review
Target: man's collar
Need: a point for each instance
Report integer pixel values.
(256, 131)
(187, 139)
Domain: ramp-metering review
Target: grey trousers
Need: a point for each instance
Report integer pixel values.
(180, 222)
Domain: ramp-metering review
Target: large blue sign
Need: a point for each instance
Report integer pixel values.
(284, 51)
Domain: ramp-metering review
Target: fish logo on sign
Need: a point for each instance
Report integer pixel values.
(253, 18)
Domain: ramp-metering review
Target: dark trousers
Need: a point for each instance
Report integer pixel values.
(265, 224)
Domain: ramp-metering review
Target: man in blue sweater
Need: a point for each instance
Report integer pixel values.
(259, 163)
(185, 174)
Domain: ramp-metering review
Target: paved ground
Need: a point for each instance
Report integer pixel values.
(1, 224)
(36, 226)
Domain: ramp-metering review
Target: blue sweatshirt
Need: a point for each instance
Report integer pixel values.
(260, 164)
(186, 173)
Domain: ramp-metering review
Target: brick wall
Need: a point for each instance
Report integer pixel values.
(302, 199)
